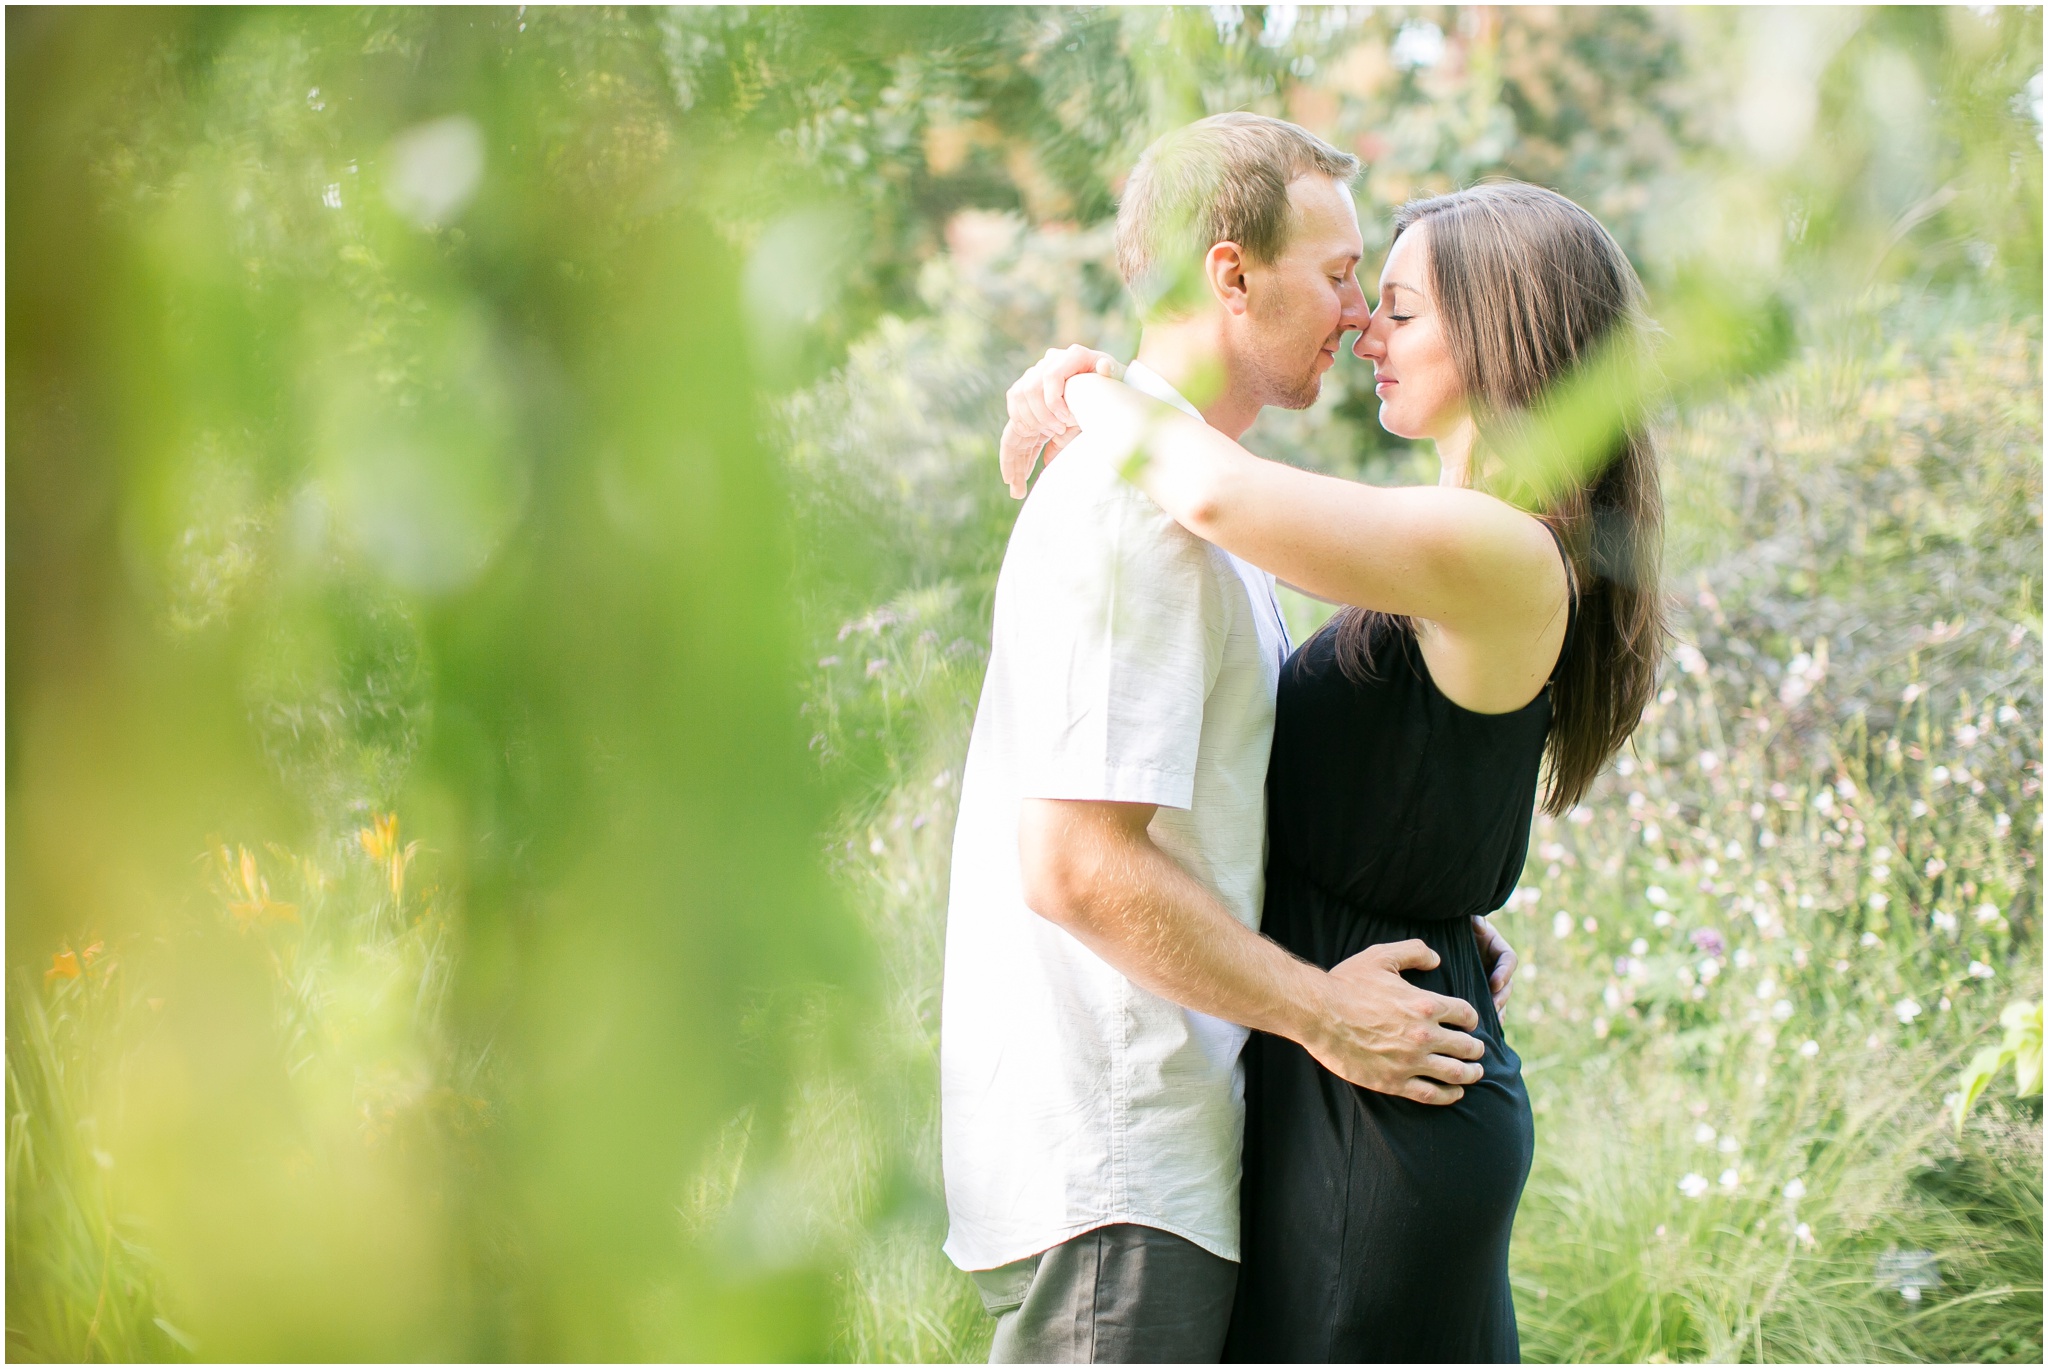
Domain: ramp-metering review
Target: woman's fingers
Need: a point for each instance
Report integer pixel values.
(1038, 412)
(1499, 957)
(1019, 449)
(1060, 366)
(1015, 454)
(1026, 401)
(1074, 361)
(1027, 406)
(1054, 391)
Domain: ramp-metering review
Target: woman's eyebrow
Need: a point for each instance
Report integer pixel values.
(1388, 287)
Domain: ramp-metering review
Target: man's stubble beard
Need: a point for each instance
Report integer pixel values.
(1278, 389)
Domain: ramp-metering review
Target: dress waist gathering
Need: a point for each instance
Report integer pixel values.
(1325, 927)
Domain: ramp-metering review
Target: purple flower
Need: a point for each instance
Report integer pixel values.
(1709, 941)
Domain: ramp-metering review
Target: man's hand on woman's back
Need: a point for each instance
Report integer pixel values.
(1380, 1032)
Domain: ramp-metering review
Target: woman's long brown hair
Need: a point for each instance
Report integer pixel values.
(1535, 295)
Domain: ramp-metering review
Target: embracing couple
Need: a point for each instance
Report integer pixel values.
(1223, 1067)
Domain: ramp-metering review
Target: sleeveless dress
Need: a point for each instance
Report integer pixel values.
(1376, 1228)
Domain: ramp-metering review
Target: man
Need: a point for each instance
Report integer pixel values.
(1102, 962)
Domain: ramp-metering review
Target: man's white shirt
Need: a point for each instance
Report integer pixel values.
(1131, 662)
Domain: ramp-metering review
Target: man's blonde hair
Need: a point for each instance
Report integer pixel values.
(1220, 179)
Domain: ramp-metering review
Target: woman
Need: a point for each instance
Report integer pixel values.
(1501, 631)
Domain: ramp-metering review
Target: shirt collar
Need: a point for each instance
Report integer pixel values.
(1139, 376)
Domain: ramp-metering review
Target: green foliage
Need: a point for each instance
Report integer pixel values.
(458, 460)
(2021, 1049)
(369, 456)
(1763, 945)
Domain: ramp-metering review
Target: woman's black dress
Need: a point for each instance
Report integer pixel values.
(1376, 1228)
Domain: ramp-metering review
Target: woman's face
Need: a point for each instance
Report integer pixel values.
(1421, 395)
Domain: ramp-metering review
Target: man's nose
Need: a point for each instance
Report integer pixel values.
(1357, 313)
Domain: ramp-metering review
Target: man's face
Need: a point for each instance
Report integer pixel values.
(1300, 305)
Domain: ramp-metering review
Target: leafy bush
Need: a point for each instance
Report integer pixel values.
(1761, 947)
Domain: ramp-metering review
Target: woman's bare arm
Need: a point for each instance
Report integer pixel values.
(1461, 559)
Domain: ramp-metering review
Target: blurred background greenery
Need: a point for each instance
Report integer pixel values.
(501, 524)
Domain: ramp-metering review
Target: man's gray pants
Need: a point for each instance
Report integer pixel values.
(1119, 1294)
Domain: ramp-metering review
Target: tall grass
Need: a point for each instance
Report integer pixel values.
(81, 1282)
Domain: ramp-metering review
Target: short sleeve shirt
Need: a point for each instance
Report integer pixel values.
(1130, 661)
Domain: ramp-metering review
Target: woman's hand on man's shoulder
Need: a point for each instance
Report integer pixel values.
(1038, 413)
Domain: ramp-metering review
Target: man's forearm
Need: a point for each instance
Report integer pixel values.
(1093, 868)
(1143, 913)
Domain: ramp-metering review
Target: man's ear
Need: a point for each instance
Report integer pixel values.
(1223, 268)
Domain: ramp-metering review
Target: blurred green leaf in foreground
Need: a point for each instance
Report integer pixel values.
(381, 441)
